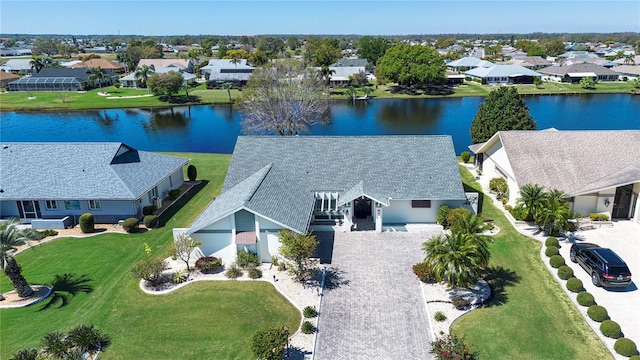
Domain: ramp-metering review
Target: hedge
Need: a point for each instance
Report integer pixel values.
(597, 313)
(150, 221)
(610, 329)
(575, 285)
(556, 261)
(551, 241)
(130, 225)
(586, 299)
(565, 272)
(551, 250)
(87, 223)
(626, 347)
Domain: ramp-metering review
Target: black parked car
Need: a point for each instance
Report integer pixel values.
(607, 269)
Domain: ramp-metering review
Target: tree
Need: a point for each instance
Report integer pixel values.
(531, 201)
(298, 248)
(86, 338)
(351, 93)
(37, 63)
(326, 53)
(26, 354)
(184, 246)
(412, 65)
(236, 54)
(450, 347)
(371, 48)
(194, 54)
(149, 269)
(227, 86)
(45, 46)
(10, 238)
(292, 42)
(554, 47)
(366, 91)
(503, 110)
(166, 84)
(629, 59)
(456, 258)
(99, 75)
(270, 344)
(537, 82)
(258, 58)
(55, 345)
(359, 79)
(284, 99)
(137, 51)
(554, 217)
(587, 83)
(142, 75)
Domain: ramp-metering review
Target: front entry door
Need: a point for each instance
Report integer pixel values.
(362, 207)
(622, 202)
(29, 209)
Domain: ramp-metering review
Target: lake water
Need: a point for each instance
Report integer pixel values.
(214, 129)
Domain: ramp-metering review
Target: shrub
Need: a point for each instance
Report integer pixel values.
(598, 217)
(255, 273)
(150, 221)
(149, 269)
(455, 217)
(47, 232)
(307, 328)
(597, 313)
(575, 285)
(424, 271)
(556, 261)
(149, 210)
(179, 277)
(517, 213)
(625, 347)
(192, 173)
(459, 303)
(87, 223)
(246, 258)
(586, 299)
(551, 241)
(499, 187)
(439, 316)
(208, 263)
(634, 357)
(441, 217)
(508, 207)
(551, 250)
(173, 194)
(130, 225)
(274, 261)
(610, 329)
(233, 272)
(565, 272)
(465, 155)
(117, 85)
(451, 347)
(310, 312)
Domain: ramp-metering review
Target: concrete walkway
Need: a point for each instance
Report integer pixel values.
(373, 307)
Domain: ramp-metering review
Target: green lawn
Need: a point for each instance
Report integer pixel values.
(530, 317)
(202, 320)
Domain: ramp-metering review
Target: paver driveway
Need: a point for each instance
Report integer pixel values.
(373, 307)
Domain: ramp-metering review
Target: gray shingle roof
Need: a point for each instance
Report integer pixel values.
(79, 171)
(469, 62)
(502, 71)
(577, 68)
(350, 62)
(573, 161)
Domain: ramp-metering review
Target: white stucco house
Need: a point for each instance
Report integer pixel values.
(51, 184)
(598, 170)
(301, 183)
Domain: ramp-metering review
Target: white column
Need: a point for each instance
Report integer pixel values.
(346, 224)
(378, 218)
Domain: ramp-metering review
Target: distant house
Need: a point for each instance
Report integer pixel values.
(467, 63)
(598, 170)
(339, 75)
(503, 74)
(112, 181)
(631, 72)
(299, 183)
(530, 62)
(344, 62)
(576, 72)
(60, 79)
(219, 71)
(15, 66)
(6, 78)
(101, 63)
(130, 80)
(185, 65)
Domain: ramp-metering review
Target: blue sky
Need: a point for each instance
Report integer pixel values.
(158, 17)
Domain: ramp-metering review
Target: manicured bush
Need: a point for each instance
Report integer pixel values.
(255, 273)
(575, 285)
(150, 221)
(499, 187)
(173, 194)
(556, 261)
(610, 329)
(246, 259)
(310, 312)
(149, 210)
(208, 263)
(598, 217)
(586, 299)
(625, 347)
(552, 241)
(565, 272)
(441, 217)
(634, 357)
(131, 225)
(551, 250)
(508, 207)
(459, 303)
(307, 328)
(87, 223)
(439, 316)
(233, 272)
(455, 217)
(46, 232)
(424, 271)
(192, 173)
(465, 156)
(597, 313)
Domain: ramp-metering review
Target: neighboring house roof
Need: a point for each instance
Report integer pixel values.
(636, 60)
(627, 70)
(501, 71)
(577, 69)
(577, 54)
(81, 171)
(17, 64)
(185, 75)
(5, 76)
(577, 162)
(350, 62)
(159, 63)
(102, 63)
(469, 62)
(81, 74)
(529, 61)
(226, 70)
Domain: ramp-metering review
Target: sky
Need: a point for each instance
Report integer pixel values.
(362, 17)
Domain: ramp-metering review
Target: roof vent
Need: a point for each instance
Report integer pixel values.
(5, 146)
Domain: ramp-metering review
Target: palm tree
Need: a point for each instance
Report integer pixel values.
(457, 258)
(26, 354)
(629, 59)
(37, 63)
(55, 345)
(366, 90)
(532, 199)
(99, 75)
(351, 93)
(554, 217)
(143, 74)
(11, 237)
(326, 73)
(87, 338)
(235, 60)
(227, 86)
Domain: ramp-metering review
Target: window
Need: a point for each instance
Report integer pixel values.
(420, 203)
(72, 204)
(51, 205)
(95, 205)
